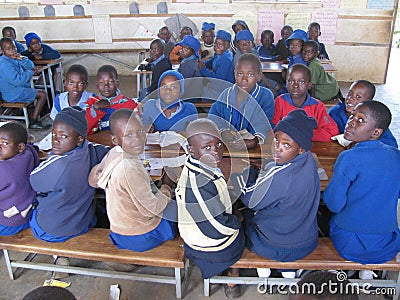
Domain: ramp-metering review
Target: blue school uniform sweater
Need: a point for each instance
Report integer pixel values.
(267, 54)
(365, 187)
(65, 198)
(221, 66)
(296, 59)
(253, 114)
(15, 76)
(285, 200)
(20, 47)
(338, 114)
(47, 53)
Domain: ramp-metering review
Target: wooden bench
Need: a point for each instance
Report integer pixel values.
(325, 257)
(96, 245)
(8, 106)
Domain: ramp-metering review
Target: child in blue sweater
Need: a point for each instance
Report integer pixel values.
(17, 160)
(364, 190)
(295, 44)
(359, 91)
(37, 50)
(9, 32)
(169, 111)
(65, 201)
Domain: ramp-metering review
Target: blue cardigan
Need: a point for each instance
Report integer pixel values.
(365, 187)
(338, 114)
(221, 67)
(47, 53)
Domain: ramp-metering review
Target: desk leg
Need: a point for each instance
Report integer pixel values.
(137, 85)
(45, 88)
(53, 94)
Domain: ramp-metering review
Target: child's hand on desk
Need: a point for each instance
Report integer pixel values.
(101, 104)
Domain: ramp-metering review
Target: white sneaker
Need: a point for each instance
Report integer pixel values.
(367, 274)
(288, 275)
(264, 272)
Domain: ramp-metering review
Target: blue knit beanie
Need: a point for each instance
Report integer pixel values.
(30, 36)
(207, 26)
(244, 35)
(223, 35)
(191, 42)
(176, 74)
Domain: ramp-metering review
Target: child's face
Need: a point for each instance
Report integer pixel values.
(164, 35)
(206, 148)
(8, 147)
(64, 138)
(244, 46)
(220, 46)
(298, 84)
(247, 75)
(186, 51)
(9, 49)
(208, 37)
(267, 40)
(313, 33)
(361, 126)
(35, 46)
(285, 148)
(309, 53)
(130, 135)
(170, 89)
(156, 50)
(184, 31)
(358, 92)
(286, 33)
(107, 84)
(238, 27)
(295, 46)
(75, 84)
(9, 33)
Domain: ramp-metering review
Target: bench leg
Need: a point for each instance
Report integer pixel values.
(395, 297)
(26, 116)
(178, 283)
(206, 287)
(8, 264)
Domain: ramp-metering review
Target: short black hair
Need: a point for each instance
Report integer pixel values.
(369, 85)
(314, 24)
(107, 69)
(250, 57)
(162, 28)
(158, 41)
(50, 293)
(7, 28)
(311, 44)
(17, 131)
(379, 112)
(78, 69)
(286, 27)
(5, 40)
(187, 27)
(122, 114)
(267, 31)
(326, 285)
(300, 67)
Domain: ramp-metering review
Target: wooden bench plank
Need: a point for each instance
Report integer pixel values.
(13, 104)
(96, 245)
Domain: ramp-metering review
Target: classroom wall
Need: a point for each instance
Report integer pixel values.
(359, 43)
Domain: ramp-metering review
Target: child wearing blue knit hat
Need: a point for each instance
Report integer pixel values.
(37, 50)
(244, 42)
(219, 66)
(189, 53)
(207, 44)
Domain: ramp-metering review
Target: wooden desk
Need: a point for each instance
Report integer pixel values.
(272, 67)
(51, 63)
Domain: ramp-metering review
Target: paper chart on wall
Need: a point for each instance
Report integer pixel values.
(143, 32)
(298, 20)
(102, 29)
(249, 17)
(380, 4)
(330, 3)
(328, 22)
(272, 20)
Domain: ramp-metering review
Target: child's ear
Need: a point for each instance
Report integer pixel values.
(310, 85)
(80, 140)
(301, 150)
(114, 140)
(377, 133)
(190, 149)
(21, 147)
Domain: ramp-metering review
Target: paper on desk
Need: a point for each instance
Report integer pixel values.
(45, 143)
(153, 138)
(170, 137)
(159, 163)
(321, 171)
(341, 140)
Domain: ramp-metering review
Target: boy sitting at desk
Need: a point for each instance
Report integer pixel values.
(175, 55)
(281, 222)
(359, 91)
(244, 107)
(76, 82)
(37, 50)
(324, 86)
(65, 201)
(314, 32)
(281, 47)
(100, 108)
(212, 235)
(159, 63)
(219, 66)
(267, 50)
(244, 44)
(169, 111)
(9, 32)
(364, 190)
(17, 160)
(16, 72)
(165, 35)
(298, 82)
(135, 213)
(207, 37)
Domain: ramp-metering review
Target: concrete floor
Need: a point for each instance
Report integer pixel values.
(87, 287)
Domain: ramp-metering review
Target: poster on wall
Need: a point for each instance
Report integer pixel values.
(272, 20)
(330, 3)
(380, 4)
(328, 22)
(102, 29)
(298, 20)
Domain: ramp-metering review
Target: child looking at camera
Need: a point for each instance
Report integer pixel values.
(281, 47)
(295, 44)
(9, 32)
(100, 108)
(135, 213)
(314, 32)
(17, 160)
(207, 37)
(37, 50)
